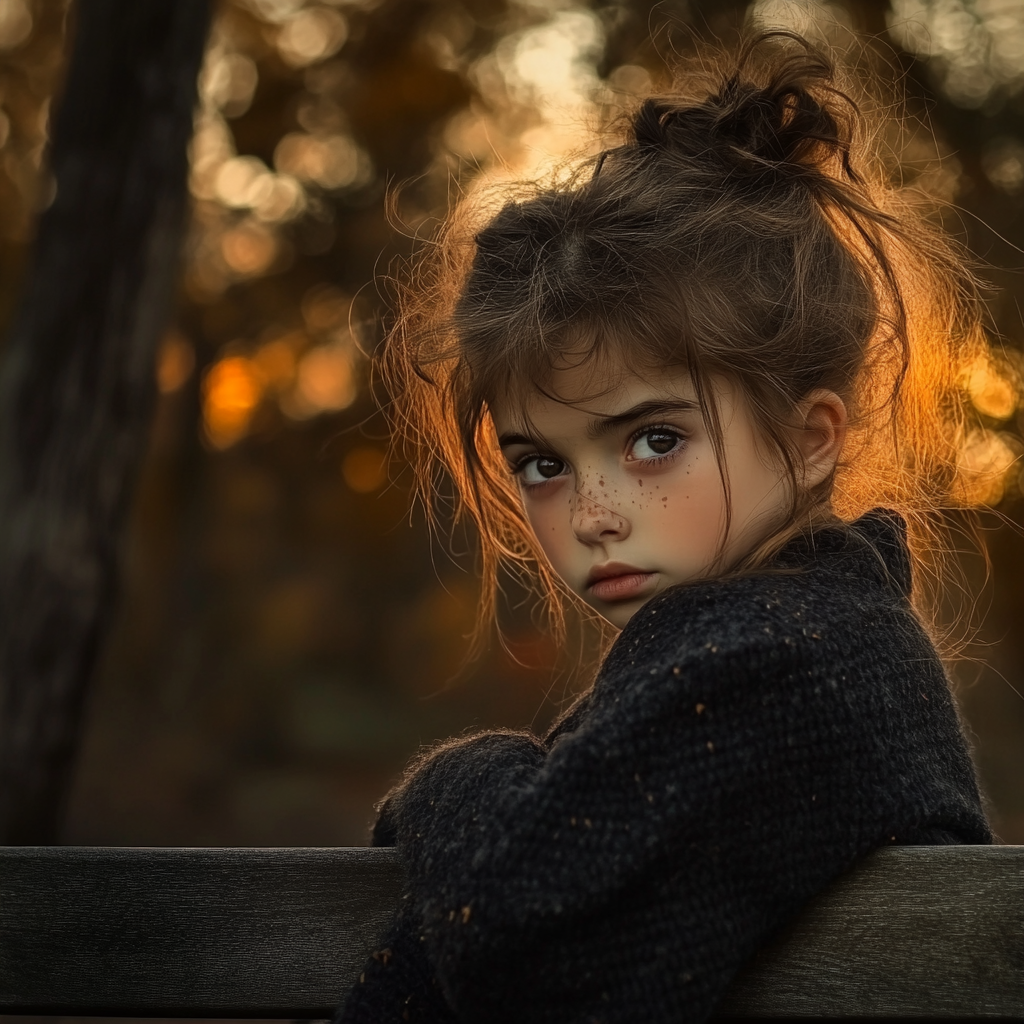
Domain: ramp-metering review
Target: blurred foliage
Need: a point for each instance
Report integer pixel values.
(31, 65)
(287, 640)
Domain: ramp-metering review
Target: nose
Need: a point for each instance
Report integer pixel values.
(594, 521)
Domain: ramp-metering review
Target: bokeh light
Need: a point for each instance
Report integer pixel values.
(994, 386)
(331, 161)
(232, 388)
(551, 66)
(15, 23)
(243, 182)
(324, 382)
(1003, 162)
(977, 45)
(175, 362)
(365, 469)
(228, 82)
(987, 459)
(311, 35)
(276, 362)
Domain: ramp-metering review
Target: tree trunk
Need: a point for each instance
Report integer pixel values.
(76, 389)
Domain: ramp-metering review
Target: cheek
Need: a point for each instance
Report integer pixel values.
(687, 507)
(691, 486)
(551, 521)
(759, 489)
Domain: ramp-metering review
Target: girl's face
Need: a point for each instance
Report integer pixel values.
(624, 491)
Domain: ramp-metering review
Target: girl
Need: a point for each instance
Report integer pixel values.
(676, 384)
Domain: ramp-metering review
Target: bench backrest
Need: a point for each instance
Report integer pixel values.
(911, 932)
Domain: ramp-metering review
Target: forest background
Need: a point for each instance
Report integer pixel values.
(285, 636)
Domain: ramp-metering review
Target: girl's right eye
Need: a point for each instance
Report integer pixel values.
(538, 469)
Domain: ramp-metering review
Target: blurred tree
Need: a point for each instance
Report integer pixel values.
(77, 385)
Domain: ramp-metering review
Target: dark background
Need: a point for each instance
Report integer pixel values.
(286, 636)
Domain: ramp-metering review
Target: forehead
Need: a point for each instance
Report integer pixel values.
(595, 386)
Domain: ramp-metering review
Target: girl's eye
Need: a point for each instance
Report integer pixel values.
(538, 469)
(654, 443)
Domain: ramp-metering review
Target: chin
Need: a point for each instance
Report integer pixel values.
(619, 614)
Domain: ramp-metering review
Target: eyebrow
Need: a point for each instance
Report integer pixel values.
(606, 424)
(508, 440)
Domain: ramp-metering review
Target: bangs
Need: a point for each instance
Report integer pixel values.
(509, 374)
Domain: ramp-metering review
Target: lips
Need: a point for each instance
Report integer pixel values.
(616, 581)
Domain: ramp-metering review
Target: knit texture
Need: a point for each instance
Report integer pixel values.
(745, 742)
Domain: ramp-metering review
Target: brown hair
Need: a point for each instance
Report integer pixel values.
(740, 228)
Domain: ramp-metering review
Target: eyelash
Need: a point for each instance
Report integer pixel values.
(651, 428)
(520, 468)
(658, 428)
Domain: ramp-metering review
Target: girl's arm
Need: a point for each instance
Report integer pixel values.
(711, 789)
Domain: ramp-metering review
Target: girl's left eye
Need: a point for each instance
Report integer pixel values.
(655, 443)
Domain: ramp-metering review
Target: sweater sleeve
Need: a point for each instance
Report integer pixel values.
(633, 866)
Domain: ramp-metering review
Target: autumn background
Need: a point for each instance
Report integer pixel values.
(285, 636)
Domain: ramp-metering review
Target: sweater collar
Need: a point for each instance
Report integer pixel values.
(876, 542)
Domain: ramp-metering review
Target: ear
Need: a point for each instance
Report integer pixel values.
(820, 428)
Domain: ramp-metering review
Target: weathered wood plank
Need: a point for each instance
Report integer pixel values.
(913, 932)
(200, 933)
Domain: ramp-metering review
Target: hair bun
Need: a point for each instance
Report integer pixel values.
(792, 121)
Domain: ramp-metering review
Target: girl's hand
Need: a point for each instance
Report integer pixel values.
(385, 831)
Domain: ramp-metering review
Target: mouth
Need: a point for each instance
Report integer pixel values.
(616, 581)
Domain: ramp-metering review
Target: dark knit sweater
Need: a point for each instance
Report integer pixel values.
(746, 741)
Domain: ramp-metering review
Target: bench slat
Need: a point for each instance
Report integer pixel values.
(190, 933)
(912, 932)
(919, 931)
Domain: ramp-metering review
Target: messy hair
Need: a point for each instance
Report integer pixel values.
(740, 228)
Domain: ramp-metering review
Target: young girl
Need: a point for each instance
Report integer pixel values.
(676, 384)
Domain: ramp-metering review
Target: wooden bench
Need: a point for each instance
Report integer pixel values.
(912, 932)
